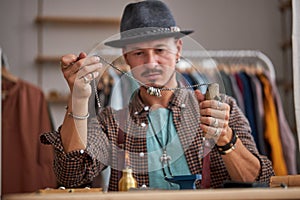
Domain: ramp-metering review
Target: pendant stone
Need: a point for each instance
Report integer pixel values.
(165, 158)
(154, 91)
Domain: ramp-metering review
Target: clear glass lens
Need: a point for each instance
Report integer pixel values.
(154, 63)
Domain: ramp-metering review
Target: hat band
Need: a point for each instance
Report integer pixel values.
(149, 30)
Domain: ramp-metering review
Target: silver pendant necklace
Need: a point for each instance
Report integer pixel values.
(153, 91)
(165, 158)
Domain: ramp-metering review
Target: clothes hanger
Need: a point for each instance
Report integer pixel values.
(5, 74)
(7, 79)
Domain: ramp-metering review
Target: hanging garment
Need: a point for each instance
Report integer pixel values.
(259, 112)
(248, 102)
(272, 135)
(227, 84)
(237, 92)
(26, 163)
(287, 138)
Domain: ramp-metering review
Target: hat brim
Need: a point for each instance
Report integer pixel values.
(120, 43)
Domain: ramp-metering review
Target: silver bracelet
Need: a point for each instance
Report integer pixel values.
(79, 117)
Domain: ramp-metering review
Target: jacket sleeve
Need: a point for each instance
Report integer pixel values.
(79, 167)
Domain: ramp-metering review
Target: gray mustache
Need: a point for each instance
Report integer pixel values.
(149, 71)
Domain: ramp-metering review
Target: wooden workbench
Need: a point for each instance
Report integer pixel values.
(210, 194)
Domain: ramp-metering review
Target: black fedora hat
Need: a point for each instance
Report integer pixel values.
(146, 20)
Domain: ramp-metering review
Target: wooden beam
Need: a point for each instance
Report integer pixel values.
(76, 20)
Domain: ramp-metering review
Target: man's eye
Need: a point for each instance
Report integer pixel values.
(160, 50)
(138, 53)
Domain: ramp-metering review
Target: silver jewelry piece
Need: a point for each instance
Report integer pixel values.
(175, 29)
(217, 133)
(165, 158)
(219, 105)
(79, 117)
(96, 91)
(151, 90)
(154, 91)
(216, 123)
(86, 80)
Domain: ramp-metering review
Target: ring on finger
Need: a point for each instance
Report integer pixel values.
(217, 132)
(216, 123)
(219, 105)
(212, 124)
(86, 80)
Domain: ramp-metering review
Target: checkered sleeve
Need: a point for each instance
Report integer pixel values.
(79, 167)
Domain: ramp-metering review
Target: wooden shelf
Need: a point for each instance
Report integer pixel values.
(60, 100)
(47, 59)
(76, 20)
(57, 99)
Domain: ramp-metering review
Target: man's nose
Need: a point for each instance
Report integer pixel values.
(151, 59)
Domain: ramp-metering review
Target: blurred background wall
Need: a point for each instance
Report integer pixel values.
(218, 25)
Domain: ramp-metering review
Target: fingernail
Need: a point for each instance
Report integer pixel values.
(96, 74)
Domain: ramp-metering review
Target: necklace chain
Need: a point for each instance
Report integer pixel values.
(153, 91)
(165, 158)
(96, 92)
(167, 140)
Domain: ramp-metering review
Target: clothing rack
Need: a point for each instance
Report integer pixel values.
(235, 55)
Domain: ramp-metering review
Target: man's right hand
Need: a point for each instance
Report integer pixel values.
(78, 72)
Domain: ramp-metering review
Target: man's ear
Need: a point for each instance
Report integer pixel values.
(179, 48)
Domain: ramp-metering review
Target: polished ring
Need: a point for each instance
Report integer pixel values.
(219, 105)
(86, 80)
(216, 123)
(217, 133)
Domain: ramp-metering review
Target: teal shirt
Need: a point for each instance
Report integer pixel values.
(162, 122)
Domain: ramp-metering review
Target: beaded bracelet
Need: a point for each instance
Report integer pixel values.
(79, 117)
(230, 146)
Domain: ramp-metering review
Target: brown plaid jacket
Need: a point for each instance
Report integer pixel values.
(79, 167)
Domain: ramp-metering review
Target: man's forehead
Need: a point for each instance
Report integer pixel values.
(150, 44)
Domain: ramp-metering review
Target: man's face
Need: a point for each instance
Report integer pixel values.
(153, 62)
